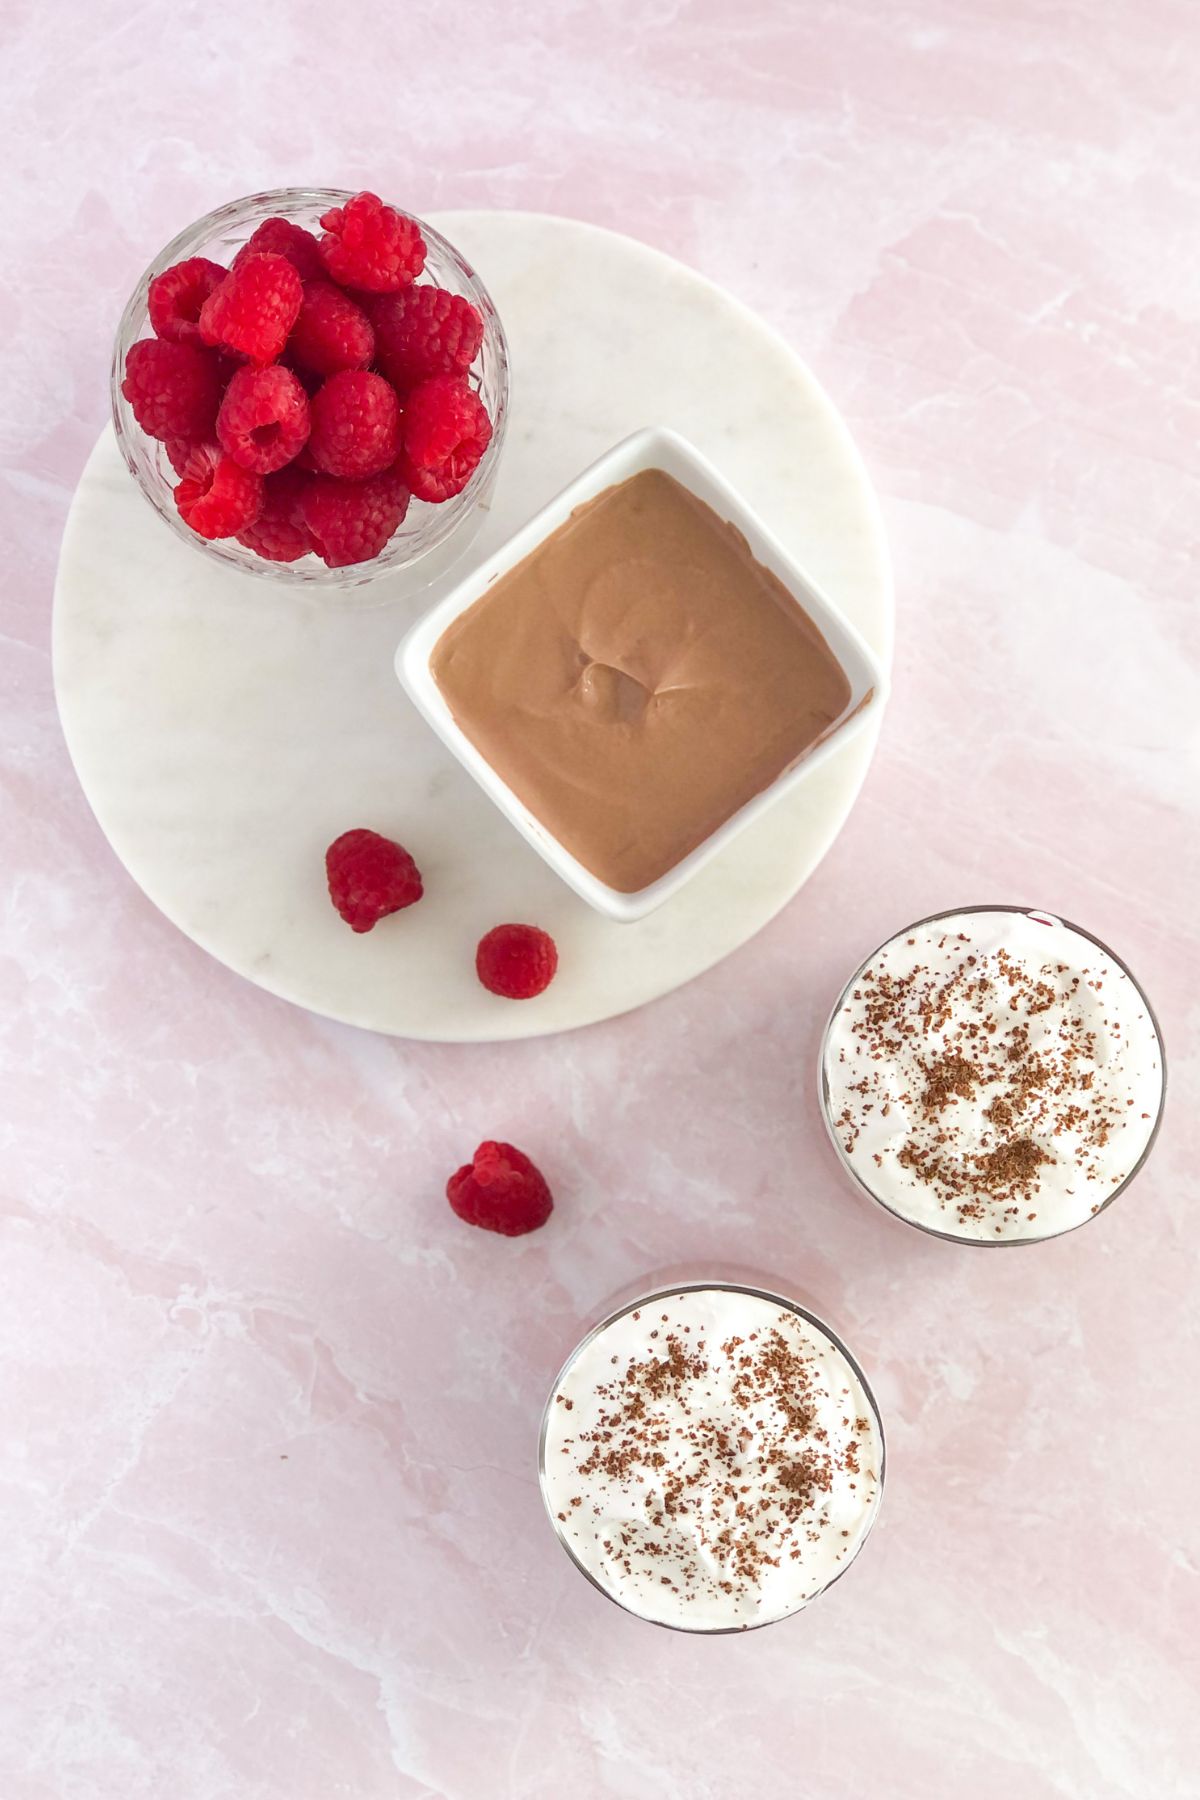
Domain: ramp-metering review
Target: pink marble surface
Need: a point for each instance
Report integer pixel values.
(268, 1515)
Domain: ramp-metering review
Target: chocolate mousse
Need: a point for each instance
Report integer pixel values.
(638, 678)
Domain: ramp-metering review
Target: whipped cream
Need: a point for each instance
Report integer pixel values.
(993, 1075)
(711, 1459)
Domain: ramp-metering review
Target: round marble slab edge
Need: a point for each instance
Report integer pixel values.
(224, 731)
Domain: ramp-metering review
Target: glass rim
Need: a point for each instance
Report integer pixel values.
(720, 1285)
(953, 1237)
(347, 583)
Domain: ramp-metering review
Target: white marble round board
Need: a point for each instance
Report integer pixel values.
(226, 729)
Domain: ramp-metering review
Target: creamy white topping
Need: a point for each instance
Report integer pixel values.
(711, 1459)
(993, 1075)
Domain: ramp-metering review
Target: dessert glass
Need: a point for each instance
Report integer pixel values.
(431, 539)
(663, 1294)
(826, 1098)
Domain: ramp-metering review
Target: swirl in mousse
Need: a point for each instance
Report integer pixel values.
(712, 1458)
(993, 1075)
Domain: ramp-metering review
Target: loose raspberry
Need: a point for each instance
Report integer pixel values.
(351, 521)
(445, 432)
(279, 534)
(517, 961)
(424, 331)
(355, 425)
(173, 389)
(263, 421)
(370, 877)
(177, 295)
(254, 308)
(371, 246)
(280, 237)
(330, 332)
(501, 1190)
(217, 497)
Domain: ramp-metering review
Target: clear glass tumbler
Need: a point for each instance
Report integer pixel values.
(649, 1494)
(1084, 1200)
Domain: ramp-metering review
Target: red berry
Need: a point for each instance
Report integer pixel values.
(177, 295)
(278, 534)
(330, 332)
(178, 450)
(424, 331)
(173, 389)
(280, 237)
(371, 246)
(501, 1190)
(216, 496)
(355, 425)
(370, 877)
(517, 961)
(263, 421)
(446, 430)
(254, 308)
(351, 521)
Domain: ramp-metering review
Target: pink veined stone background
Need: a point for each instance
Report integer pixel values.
(269, 1524)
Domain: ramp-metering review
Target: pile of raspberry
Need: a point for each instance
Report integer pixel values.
(305, 394)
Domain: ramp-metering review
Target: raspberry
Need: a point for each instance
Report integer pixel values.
(178, 450)
(351, 521)
(370, 877)
(501, 1190)
(355, 425)
(263, 421)
(279, 237)
(177, 295)
(372, 246)
(254, 308)
(330, 332)
(278, 534)
(217, 497)
(173, 389)
(517, 961)
(445, 432)
(425, 331)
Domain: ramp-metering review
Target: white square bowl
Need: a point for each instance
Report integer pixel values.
(654, 448)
